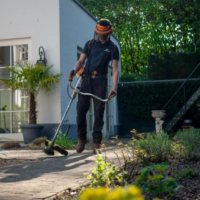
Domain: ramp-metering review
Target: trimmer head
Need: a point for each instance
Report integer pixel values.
(49, 149)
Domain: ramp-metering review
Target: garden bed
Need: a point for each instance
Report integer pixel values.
(188, 189)
(158, 166)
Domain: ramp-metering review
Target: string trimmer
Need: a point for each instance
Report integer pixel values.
(50, 145)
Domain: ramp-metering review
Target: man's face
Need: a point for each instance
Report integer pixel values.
(103, 37)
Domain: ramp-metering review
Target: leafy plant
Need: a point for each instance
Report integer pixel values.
(31, 77)
(38, 143)
(138, 41)
(62, 140)
(10, 145)
(102, 193)
(190, 139)
(151, 181)
(105, 173)
(186, 173)
(156, 147)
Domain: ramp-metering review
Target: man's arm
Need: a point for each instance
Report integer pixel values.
(80, 62)
(115, 78)
(77, 66)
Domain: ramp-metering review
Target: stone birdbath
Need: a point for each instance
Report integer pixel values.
(159, 116)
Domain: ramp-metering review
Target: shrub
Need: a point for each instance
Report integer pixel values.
(152, 182)
(126, 193)
(37, 143)
(190, 139)
(10, 145)
(187, 173)
(63, 141)
(156, 147)
(105, 173)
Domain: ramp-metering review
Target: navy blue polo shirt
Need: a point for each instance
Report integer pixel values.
(99, 56)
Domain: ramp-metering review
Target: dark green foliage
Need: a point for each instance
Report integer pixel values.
(127, 78)
(141, 76)
(190, 139)
(10, 145)
(147, 27)
(186, 173)
(173, 65)
(137, 100)
(152, 182)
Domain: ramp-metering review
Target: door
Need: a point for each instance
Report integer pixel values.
(13, 104)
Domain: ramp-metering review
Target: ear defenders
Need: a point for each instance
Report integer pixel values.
(103, 27)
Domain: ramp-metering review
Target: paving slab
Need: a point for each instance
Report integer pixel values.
(46, 177)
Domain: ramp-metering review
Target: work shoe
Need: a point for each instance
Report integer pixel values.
(81, 145)
(96, 148)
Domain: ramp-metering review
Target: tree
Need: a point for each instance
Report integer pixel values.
(147, 27)
(32, 78)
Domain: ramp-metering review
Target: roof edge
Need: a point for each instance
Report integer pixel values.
(90, 14)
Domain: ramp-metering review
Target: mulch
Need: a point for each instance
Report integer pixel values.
(189, 189)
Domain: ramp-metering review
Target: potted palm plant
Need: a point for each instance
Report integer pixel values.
(33, 78)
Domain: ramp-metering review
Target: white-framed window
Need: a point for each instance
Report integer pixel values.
(13, 104)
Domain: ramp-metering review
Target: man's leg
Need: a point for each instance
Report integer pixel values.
(99, 87)
(82, 109)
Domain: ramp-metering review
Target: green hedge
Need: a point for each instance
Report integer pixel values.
(173, 65)
(137, 100)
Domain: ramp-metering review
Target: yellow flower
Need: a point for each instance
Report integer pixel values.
(112, 141)
(140, 198)
(89, 177)
(116, 137)
(94, 193)
(119, 143)
(133, 131)
(133, 190)
(116, 194)
(103, 145)
(101, 192)
(133, 138)
(87, 195)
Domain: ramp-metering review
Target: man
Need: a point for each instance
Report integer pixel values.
(99, 52)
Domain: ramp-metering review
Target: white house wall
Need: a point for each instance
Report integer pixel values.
(37, 20)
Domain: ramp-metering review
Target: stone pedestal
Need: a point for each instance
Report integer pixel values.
(159, 116)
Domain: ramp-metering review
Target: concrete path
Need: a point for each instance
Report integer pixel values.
(46, 177)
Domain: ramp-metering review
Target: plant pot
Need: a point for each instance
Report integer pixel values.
(31, 132)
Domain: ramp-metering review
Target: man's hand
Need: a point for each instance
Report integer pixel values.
(112, 94)
(71, 75)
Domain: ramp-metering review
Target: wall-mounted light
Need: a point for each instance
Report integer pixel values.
(42, 59)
